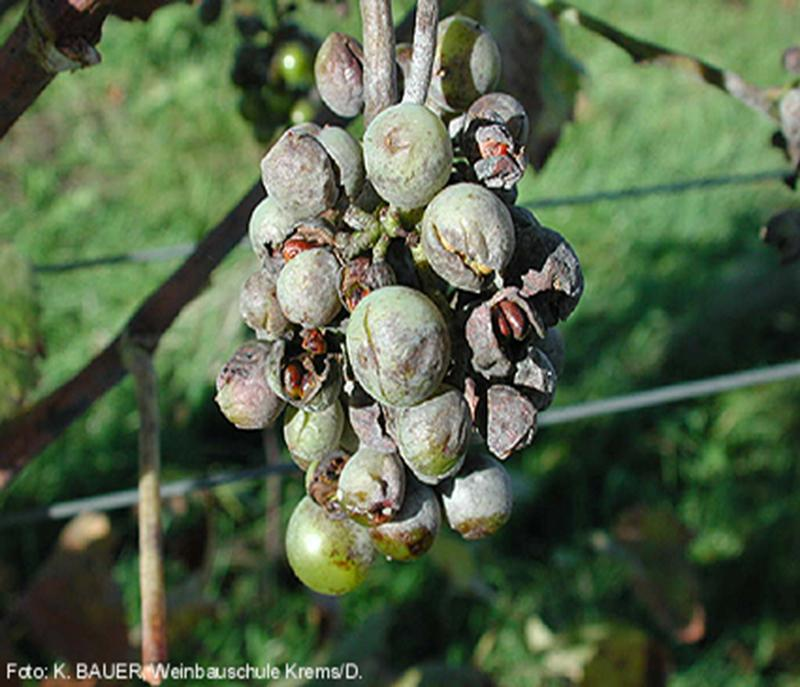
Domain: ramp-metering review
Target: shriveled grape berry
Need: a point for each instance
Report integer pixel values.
(307, 288)
(311, 435)
(407, 154)
(339, 74)
(493, 140)
(467, 235)
(477, 501)
(413, 530)
(371, 486)
(308, 381)
(510, 420)
(258, 304)
(243, 395)
(432, 436)
(398, 345)
(329, 556)
(299, 174)
(466, 64)
(322, 482)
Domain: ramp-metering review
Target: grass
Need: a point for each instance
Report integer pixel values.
(149, 150)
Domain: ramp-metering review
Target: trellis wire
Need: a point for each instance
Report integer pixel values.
(184, 249)
(573, 413)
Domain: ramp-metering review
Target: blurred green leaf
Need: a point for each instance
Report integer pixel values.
(20, 337)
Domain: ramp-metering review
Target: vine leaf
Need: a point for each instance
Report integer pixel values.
(782, 231)
(644, 52)
(20, 337)
(73, 606)
(653, 542)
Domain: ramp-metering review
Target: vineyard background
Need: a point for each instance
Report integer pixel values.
(148, 150)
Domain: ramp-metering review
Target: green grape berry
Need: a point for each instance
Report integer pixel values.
(413, 530)
(466, 64)
(478, 500)
(432, 436)
(408, 155)
(307, 288)
(345, 152)
(371, 486)
(398, 345)
(292, 64)
(467, 235)
(311, 435)
(329, 556)
(269, 226)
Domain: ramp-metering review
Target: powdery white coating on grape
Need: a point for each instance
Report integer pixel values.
(310, 435)
(466, 64)
(339, 74)
(467, 235)
(432, 436)
(372, 486)
(345, 152)
(243, 395)
(414, 528)
(408, 155)
(477, 501)
(398, 345)
(258, 304)
(329, 556)
(307, 288)
(299, 174)
(270, 224)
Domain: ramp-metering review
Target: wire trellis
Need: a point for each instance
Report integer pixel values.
(581, 411)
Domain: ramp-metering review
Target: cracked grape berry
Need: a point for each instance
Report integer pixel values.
(329, 556)
(311, 435)
(467, 235)
(398, 345)
(371, 486)
(298, 172)
(408, 155)
(413, 530)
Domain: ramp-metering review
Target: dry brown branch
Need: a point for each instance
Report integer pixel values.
(380, 72)
(137, 357)
(55, 36)
(23, 437)
(424, 47)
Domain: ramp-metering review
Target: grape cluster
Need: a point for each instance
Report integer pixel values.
(273, 68)
(401, 301)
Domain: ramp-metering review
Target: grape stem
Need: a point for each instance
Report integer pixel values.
(380, 72)
(139, 361)
(424, 47)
